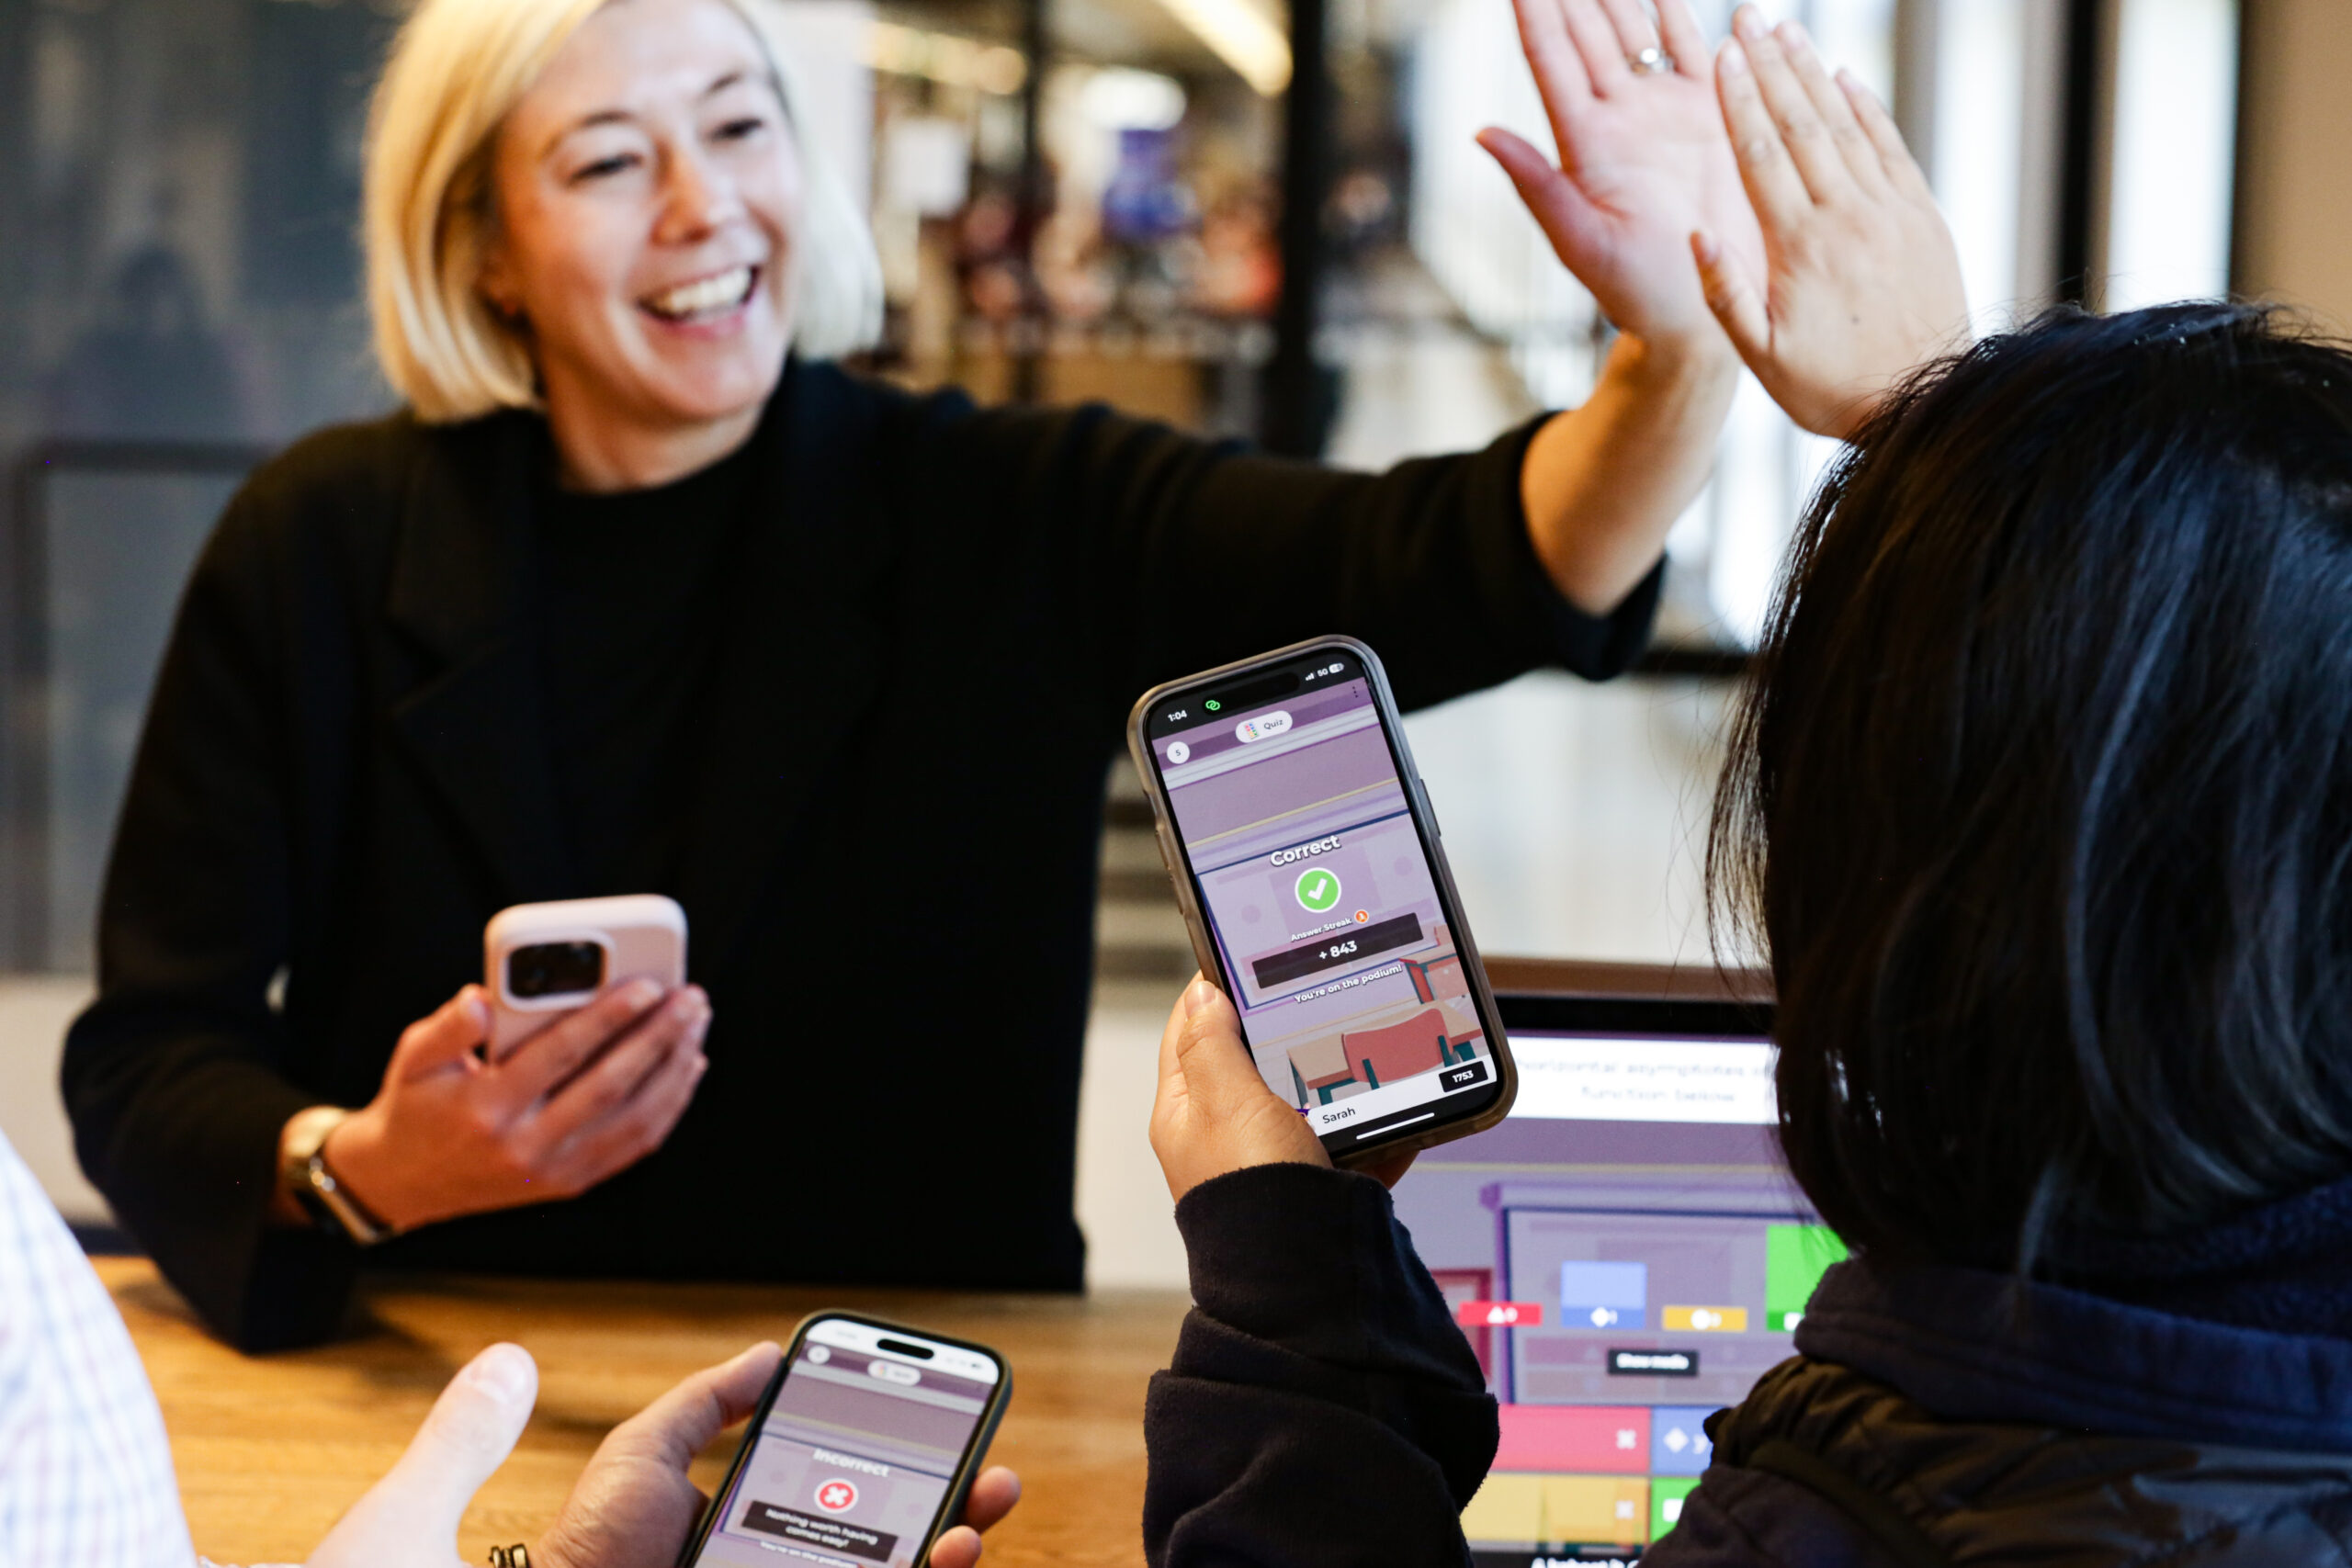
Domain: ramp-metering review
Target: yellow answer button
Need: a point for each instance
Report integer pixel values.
(1706, 1320)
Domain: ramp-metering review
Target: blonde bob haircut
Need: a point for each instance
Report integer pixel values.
(455, 71)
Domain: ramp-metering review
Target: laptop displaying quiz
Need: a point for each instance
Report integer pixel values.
(1627, 1256)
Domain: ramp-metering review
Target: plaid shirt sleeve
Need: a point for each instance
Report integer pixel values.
(86, 1470)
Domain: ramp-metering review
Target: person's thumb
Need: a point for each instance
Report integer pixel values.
(411, 1516)
(448, 1034)
(1210, 1052)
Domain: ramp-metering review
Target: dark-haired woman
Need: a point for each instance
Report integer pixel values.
(2041, 803)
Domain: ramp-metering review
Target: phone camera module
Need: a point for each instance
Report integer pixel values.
(555, 968)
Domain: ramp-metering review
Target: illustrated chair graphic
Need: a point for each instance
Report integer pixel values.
(1419, 1044)
(1318, 1067)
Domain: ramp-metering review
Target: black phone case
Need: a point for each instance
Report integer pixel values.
(1172, 856)
(951, 1508)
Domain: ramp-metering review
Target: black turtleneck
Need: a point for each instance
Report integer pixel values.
(627, 584)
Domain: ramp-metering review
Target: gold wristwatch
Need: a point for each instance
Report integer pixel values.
(302, 1167)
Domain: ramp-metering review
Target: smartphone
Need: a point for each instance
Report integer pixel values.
(862, 1450)
(542, 961)
(1308, 865)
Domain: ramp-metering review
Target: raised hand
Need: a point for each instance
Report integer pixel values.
(1860, 283)
(1644, 159)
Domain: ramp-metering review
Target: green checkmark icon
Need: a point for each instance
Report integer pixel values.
(1318, 890)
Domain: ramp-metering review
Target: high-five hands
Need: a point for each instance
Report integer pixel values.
(1861, 282)
(1644, 159)
(1213, 1113)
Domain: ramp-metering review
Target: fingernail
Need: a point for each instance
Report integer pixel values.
(1198, 995)
(1734, 59)
(1702, 245)
(506, 1372)
(643, 992)
(1747, 23)
(1795, 37)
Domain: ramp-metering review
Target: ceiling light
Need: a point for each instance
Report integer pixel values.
(1243, 36)
(1121, 99)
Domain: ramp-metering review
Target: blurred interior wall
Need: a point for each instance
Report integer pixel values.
(2294, 210)
(837, 95)
(2169, 165)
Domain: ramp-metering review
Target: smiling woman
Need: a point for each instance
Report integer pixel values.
(516, 153)
(642, 594)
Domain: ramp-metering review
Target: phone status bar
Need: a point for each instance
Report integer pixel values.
(1186, 710)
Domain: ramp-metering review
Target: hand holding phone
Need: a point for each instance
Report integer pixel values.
(864, 1448)
(1305, 860)
(450, 1133)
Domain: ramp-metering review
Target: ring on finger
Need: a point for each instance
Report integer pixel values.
(1652, 61)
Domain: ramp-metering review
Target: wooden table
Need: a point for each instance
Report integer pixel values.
(272, 1450)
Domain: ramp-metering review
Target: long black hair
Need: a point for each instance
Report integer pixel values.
(2042, 795)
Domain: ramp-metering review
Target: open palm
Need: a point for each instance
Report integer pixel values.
(1645, 160)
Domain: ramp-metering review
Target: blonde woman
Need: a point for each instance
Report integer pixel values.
(642, 593)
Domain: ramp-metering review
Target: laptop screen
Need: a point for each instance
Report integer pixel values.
(1627, 1256)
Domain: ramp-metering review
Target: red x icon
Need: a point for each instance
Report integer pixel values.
(837, 1496)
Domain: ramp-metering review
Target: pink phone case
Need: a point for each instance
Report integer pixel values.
(641, 934)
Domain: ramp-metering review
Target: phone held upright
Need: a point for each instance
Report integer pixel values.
(1308, 864)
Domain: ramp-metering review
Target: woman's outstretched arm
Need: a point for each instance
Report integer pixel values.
(1138, 553)
(1644, 162)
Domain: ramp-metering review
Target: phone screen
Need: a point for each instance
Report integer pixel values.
(1296, 825)
(857, 1453)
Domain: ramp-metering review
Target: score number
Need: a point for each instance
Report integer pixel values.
(1337, 950)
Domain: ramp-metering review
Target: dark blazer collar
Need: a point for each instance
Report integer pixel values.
(460, 592)
(800, 661)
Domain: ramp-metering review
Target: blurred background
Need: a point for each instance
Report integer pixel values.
(1242, 219)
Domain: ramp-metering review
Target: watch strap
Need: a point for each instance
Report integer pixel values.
(344, 1210)
(304, 1172)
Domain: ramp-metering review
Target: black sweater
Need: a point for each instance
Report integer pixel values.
(933, 630)
(1322, 1407)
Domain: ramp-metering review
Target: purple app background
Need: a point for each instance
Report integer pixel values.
(1321, 793)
